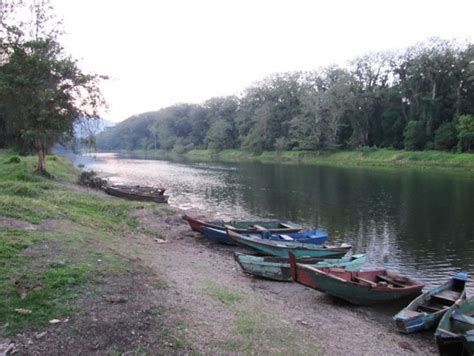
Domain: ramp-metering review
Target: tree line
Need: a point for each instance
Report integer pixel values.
(43, 92)
(419, 99)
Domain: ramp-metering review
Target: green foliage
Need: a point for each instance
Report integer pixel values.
(14, 159)
(42, 90)
(446, 137)
(402, 100)
(465, 128)
(414, 136)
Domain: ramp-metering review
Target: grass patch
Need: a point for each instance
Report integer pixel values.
(45, 272)
(222, 293)
(370, 157)
(45, 290)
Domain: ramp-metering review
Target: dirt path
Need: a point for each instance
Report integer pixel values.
(226, 311)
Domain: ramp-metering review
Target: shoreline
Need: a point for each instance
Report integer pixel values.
(137, 280)
(371, 158)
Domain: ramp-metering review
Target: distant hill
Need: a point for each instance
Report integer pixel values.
(85, 128)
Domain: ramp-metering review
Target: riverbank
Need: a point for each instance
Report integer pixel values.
(364, 158)
(82, 272)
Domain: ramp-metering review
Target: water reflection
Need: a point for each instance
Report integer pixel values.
(417, 222)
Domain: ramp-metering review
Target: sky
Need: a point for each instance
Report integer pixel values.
(159, 53)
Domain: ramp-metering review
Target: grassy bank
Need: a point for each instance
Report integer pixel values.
(369, 158)
(58, 262)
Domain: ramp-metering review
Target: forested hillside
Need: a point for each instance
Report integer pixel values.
(422, 98)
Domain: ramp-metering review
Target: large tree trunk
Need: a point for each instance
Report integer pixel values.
(40, 146)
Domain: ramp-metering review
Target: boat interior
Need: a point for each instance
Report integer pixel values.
(462, 323)
(443, 299)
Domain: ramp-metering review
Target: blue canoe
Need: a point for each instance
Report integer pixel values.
(317, 236)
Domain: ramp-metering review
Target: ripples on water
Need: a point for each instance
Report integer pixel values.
(420, 223)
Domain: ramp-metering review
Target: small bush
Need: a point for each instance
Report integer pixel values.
(446, 137)
(90, 179)
(14, 159)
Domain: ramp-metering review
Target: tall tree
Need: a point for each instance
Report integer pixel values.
(43, 90)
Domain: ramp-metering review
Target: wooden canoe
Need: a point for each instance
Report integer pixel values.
(316, 236)
(455, 333)
(360, 288)
(278, 268)
(137, 193)
(283, 227)
(425, 312)
(281, 249)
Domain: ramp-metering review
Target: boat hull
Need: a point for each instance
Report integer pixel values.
(282, 249)
(216, 235)
(340, 283)
(278, 269)
(157, 198)
(244, 226)
(221, 236)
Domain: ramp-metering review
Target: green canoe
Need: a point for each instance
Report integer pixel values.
(360, 288)
(278, 268)
(282, 249)
(455, 332)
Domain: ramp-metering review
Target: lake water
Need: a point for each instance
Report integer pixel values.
(418, 222)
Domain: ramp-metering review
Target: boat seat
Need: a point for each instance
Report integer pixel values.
(390, 280)
(411, 313)
(286, 237)
(261, 228)
(463, 318)
(446, 297)
(430, 308)
(360, 279)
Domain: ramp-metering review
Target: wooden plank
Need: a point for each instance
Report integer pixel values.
(230, 227)
(447, 332)
(390, 280)
(286, 237)
(449, 295)
(360, 279)
(261, 228)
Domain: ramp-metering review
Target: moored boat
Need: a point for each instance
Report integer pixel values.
(282, 248)
(425, 312)
(316, 236)
(137, 193)
(278, 268)
(360, 288)
(283, 227)
(455, 333)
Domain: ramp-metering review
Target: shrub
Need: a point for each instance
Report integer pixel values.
(466, 133)
(446, 136)
(14, 159)
(414, 136)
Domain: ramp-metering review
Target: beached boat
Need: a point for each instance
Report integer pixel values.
(278, 268)
(283, 227)
(455, 333)
(360, 288)
(426, 311)
(282, 248)
(137, 193)
(316, 237)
